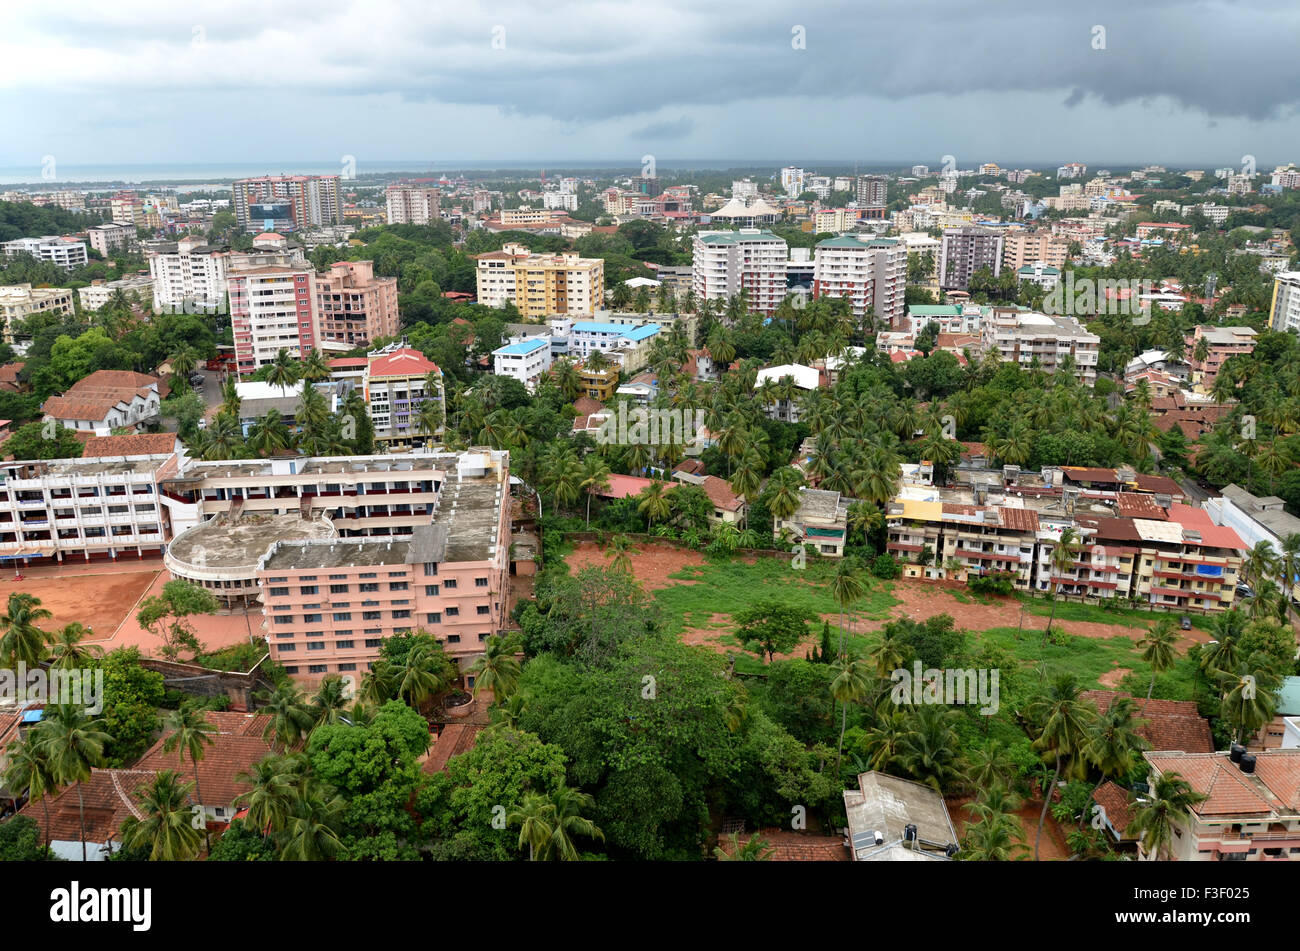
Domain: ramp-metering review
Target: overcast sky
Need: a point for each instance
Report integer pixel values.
(142, 81)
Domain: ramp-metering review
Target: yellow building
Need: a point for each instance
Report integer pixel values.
(540, 285)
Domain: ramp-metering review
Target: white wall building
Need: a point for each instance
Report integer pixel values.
(727, 262)
(871, 273)
(65, 252)
(189, 274)
(526, 360)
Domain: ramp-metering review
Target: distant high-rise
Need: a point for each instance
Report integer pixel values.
(872, 190)
(965, 251)
(412, 205)
(287, 202)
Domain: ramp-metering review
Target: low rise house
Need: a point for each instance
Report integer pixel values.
(897, 820)
(821, 520)
(107, 399)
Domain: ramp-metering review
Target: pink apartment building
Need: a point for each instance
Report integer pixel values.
(1221, 343)
(356, 307)
(328, 604)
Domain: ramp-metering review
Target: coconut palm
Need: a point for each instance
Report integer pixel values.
(314, 369)
(425, 673)
(1261, 562)
(1113, 745)
(1249, 699)
(67, 650)
(21, 639)
(166, 826)
(622, 550)
(1065, 720)
(1158, 649)
(846, 587)
(757, 849)
(189, 731)
(290, 718)
(783, 494)
(498, 669)
(595, 479)
(1156, 814)
(183, 361)
(309, 833)
(272, 790)
(269, 435)
(653, 503)
(850, 682)
(29, 769)
(1061, 560)
(285, 371)
(329, 703)
(74, 745)
(889, 654)
(548, 823)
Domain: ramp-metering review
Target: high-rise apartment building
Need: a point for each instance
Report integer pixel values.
(1023, 248)
(189, 274)
(1284, 313)
(726, 262)
(355, 307)
(273, 303)
(398, 380)
(872, 189)
(412, 205)
(965, 251)
(65, 252)
(540, 285)
(287, 202)
(870, 272)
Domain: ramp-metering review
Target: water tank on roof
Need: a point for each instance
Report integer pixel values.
(1247, 762)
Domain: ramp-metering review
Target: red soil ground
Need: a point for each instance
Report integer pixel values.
(1053, 848)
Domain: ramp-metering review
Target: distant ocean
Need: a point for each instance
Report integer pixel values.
(216, 173)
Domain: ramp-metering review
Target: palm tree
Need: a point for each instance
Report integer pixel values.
(29, 769)
(850, 683)
(1155, 815)
(622, 550)
(1249, 700)
(189, 728)
(548, 823)
(996, 837)
(22, 641)
(222, 439)
(928, 750)
(309, 834)
(1065, 719)
(315, 369)
(653, 504)
(67, 650)
(498, 669)
(757, 849)
(167, 827)
(595, 479)
(290, 718)
(285, 370)
(565, 477)
(329, 702)
(74, 745)
(1289, 564)
(784, 498)
(270, 434)
(1261, 562)
(272, 786)
(1113, 744)
(1061, 561)
(888, 655)
(1158, 649)
(424, 674)
(183, 361)
(429, 417)
(846, 587)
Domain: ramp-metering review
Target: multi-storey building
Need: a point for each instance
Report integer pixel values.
(90, 509)
(65, 252)
(526, 360)
(966, 250)
(872, 190)
(287, 202)
(1220, 344)
(107, 399)
(728, 262)
(110, 237)
(188, 275)
(540, 285)
(1250, 811)
(412, 205)
(137, 286)
(1284, 311)
(20, 301)
(1072, 170)
(1029, 338)
(329, 604)
(397, 382)
(792, 181)
(1022, 248)
(127, 208)
(1256, 520)
(355, 307)
(273, 304)
(869, 272)
(821, 520)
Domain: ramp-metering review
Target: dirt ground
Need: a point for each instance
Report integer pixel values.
(1053, 848)
(651, 565)
(99, 601)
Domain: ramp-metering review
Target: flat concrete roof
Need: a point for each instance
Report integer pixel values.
(337, 553)
(469, 510)
(217, 543)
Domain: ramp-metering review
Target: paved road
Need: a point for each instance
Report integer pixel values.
(1195, 493)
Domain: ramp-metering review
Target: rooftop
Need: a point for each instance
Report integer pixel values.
(220, 543)
(883, 806)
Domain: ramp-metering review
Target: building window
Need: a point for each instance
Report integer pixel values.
(288, 647)
(347, 667)
(343, 616)
(480, 582)
(344, 645)
(285, 619)
(317, 668)
(449, 583)
(401, 614)
(453, 638)
(434, 617)
(338, 589)
(431, 590)
(308, 589)
(369, 587)
(371, 615)
(311, 618)
(291, 670)
(374, 641)
(398, 586)
(315, 645)
(279, 592)
(484, 609)
(453, 612)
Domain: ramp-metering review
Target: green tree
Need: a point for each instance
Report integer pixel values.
(21, 639)
(771, 627)
(1155, 816)
(167, 828)
(189, 732)
(74, 745)
(165, 616)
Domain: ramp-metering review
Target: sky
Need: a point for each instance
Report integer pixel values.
(1177, 82)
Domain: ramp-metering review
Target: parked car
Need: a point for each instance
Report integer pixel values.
(1244, 590)
(196, 379)
(1186, 623)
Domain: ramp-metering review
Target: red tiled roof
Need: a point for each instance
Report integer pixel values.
(345, 363)
(1118, 806)
(720, 494)
(585, 406)
(1019, 520)
(1229, 791)
(141, 444)
(690, 466)
(622, 486)
(405, 362)
(1089, 474)
(109, 797)
(1171, 724)
(789, 846)
(455, 738)
(94, 396)
(1158, 483)
(9, 372)
(1137, 505)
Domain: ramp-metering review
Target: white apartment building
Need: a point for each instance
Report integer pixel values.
(65, 252)
(727, 262)
(20, 301)
(98, 294)
(1284, 314)
(792, 181)
(412, 205)
(871, 273)
(188, 274)
(110, 237)
(560, 201)
(526, 359)
(273, 304)
(1021, 336)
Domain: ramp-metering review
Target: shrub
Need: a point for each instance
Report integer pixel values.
(885, 566)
